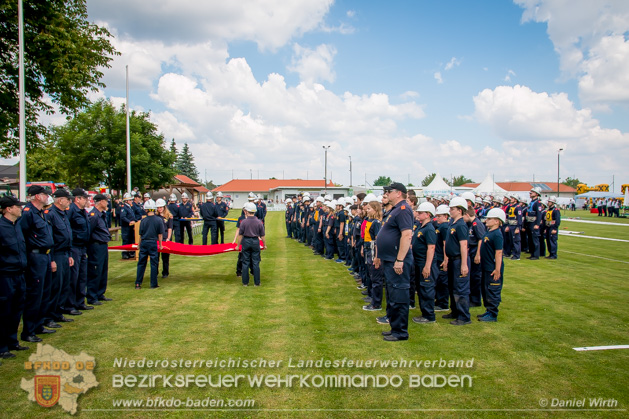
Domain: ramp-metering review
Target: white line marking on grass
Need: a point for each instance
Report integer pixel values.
(592, 256)
(574, 220)
(601, 348)
(593, 237)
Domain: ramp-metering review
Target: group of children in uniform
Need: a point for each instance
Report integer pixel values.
(457, 249)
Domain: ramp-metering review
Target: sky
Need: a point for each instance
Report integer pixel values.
(257, 88)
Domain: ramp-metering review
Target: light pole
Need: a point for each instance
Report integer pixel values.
(350, 171)
(558, 153)
(325, 175)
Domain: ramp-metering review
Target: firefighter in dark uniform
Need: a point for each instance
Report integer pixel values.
(208, 213)
(38, 235)
(151, 236)
(62, 261)
(97, 253)
(12, 283)
(393, 250)
(542, 229)
(138, 207)
(514, 226)
(173, 207)
(288, 216)
(222, 211)
(127, 224)
(552, 222)
(80, 238)
(442, 294)
(476, 233)
(261, 206)
(458, 262)
(186, 210)
(533, 222)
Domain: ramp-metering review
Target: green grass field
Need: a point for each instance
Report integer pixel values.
(309, 309)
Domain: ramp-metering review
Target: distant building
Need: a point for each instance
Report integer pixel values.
(523, 188)
(276, 190)
(180, 184)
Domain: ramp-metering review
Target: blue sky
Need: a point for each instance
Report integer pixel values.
(405, 87)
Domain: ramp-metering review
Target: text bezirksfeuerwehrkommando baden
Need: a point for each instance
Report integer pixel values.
(291, 363)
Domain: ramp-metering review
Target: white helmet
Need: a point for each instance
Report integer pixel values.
(150, 205)
(379, 198)
(184, 196)
(347, 208)
(50, 201)
(147, 195)
(426, 207)
(328, 197)
(496, 213)
(457, 201)
(487, 200)
(442, 210)
(160, 203)
(330, 204)
(340, 201)
(219, 194)
(288, 201)
(479, 200)
(173, 197)
(127, 197)
(544, 203)
(319, 199)
(250, 207)
(307, 198)
(259, 196)
(252, 196)
(469, 196)
(552, 199)
(209, 196)
(537, 190)
(306, 194)
(311, 205)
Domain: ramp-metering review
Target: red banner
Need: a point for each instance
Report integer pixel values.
(186, 249)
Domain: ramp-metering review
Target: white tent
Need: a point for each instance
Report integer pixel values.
(488, 186)
(437, 187)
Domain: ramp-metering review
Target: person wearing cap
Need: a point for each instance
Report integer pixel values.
(305, 222)
(222, 210)
(13, 264)
(552, 221)
(173, 207)
(97, 253)
(147, 197)
(442, 293)
(127, 224)
(339, 228)
(288, 216)
(261, 206)
(250, 232)
(138, 207)
(476, 233)
(57, 294)
(514, 226)
(151, 237)
(393, 251)
(80, 239)
(209, 214)
(37, 233)
(542, 229)
(426, 269)
(186, 210)
(375, 276)
(533, 222)
(328, 230)
(458, 262)
(295, 227)
(117, 209)
(490, 249)
(167, 219)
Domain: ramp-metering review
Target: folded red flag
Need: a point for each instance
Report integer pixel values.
(186, 249)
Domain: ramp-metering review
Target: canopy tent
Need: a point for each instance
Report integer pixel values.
(488, 186)
(437, 187)
(597, 195)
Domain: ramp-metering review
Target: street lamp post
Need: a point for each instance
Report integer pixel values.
(325, 175)
(558, 153)
(350, 171)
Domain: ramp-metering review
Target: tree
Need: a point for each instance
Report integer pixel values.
(44, 163)
(92, 148)
(382, 181)
(572, 182)
(63, 58)
(185, 164)
(460, 180)
(210, 185)
(430, 178)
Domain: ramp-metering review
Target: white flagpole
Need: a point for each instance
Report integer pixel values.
(22, 121)
(128, 138)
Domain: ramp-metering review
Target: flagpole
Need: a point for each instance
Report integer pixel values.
(128, 138)
(22, 110)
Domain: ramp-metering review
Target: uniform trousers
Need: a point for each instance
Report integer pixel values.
(397, 297)
(12, 296)
(442, 294)
(38, 273)
(459, 290)
(97, 271)
(493, 291)
(250, 259)
(148, 248)
(59, 279)
(78, 279)
(426, 288)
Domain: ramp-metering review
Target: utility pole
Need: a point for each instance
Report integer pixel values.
(325, 177)
(22, 105)
(128, 138)
(558, 153)
(350, 171)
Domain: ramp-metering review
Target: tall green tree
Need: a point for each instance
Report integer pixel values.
(185, 164)
(572, 182)
(63, 58)
(382, 181)
(44, 163)
(460, 180)
(430, 178)
(92, 148)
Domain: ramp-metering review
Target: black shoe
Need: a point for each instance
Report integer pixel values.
(156, 286)
(391, 338)
(386, 333)
(95, 303)
(137, 286)
(364, 292)
(533, 258)
(164, 276)
(448, 316)
(551, 257)
(103, 298)
(66, 320)
(6, 355)
(73, 312)
(45, 332)
(238, 274)
(32, 339)
(52, 325)
(84, 307)
(460, 322)
(18, 347)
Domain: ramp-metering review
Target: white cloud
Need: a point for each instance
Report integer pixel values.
(454, 62)
(351, 13)
(589, 37)
(509, 74)
(313, 65)
(438, 77)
